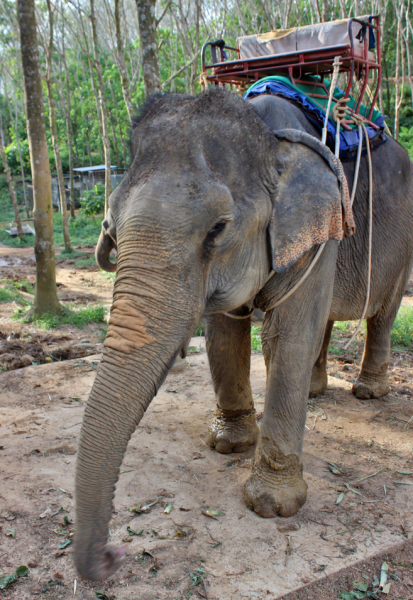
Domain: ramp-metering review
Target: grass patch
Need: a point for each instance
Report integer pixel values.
(85, 262)
(256, 344)
(402, 332)
(83, 231)
(200, 330)
(10, 291)
(16, 242)
(70, 254)
(401, 337)
(72, 315)
(108, 276)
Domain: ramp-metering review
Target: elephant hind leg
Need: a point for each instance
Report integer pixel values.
(373, 381)
(319, 374)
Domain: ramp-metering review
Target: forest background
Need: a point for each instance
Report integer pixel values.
(71, 60)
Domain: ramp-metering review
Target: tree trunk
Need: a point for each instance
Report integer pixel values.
(45, 299)
(53, 130)
(149, 46)
(10, 183)
(68, 125)
(121, 63)
(102, 102)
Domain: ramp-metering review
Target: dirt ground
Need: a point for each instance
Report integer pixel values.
(358, 463)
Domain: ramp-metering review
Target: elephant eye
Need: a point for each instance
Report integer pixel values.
(217, 229)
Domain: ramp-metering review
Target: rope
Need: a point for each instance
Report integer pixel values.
(231, 316)
(347, 344)
(203, 81)
(336, 66)
(339, 113)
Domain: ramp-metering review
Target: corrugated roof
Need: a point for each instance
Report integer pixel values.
(97, 168)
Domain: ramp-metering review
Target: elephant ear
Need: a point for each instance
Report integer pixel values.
(311, 203)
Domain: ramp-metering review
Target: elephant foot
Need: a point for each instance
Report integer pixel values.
(276, 485)
(318, 382)
(231, 431)
(368, 388)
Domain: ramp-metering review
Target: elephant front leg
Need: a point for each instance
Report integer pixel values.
(292, 337)
(276, 485)
(228, 343)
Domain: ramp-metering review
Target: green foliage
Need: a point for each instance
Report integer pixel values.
(406, 139)
(256, 344)
(73, 315)
(108, 276)
(10, 291)
(70, 254)
(83, 231)
(16, 242)
(402, 332)
(86, 262)
(200, 330)
(93, 201)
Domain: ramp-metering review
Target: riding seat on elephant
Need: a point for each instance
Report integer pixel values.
(220, 193)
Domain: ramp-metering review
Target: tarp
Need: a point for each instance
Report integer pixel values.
(309, 37)
(282, 86)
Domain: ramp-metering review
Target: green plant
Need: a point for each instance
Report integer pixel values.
(200, 330)
(109, 277)
(85, 262)
(10, 291)
(73, 315)
(402, 332)
(256, 344)
(406, 139)
(93, 201)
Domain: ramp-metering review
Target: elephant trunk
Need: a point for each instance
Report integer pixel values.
(145, 334)
(104, 247)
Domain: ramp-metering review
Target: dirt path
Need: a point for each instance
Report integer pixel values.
(185, 553)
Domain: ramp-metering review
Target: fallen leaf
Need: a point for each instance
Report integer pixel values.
(58, 554)
(58, 576)
(212, 513)
(383, 575)
(5, 581)
(45, 513)
(64, 544)
(22, 571)
(168, 508)
(405, 472)
(386, 588)
(127, 540)
(184, 509)
(32, 564)
(133, 532)
(334, 468)
(340, 497)
(10, 533)
(143, 509)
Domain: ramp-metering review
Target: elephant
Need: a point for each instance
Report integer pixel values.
(223, 209)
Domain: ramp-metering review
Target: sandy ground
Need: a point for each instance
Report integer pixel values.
(185, 553)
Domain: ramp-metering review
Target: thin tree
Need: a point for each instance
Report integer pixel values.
(67, 109)
(149, 46)
(53, 128)
(102, 103)
(10, 182)
(45, 299)
(120, 59)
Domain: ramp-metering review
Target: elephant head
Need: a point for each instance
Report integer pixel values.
(212, 202)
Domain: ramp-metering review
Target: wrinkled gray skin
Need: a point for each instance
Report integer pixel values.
(193, 220)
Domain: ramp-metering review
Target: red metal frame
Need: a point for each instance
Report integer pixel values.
(243, 72)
